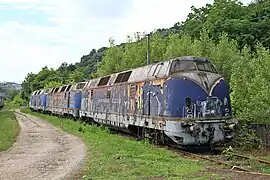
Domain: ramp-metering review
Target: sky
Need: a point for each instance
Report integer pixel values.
(38, 33)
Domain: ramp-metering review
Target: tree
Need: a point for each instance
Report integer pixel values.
(195, 21)
(224, 55)
(12, 93)
(52, 84)
(135, 52)
(45, 76)
(27, 86)
(158, 46)
(179, 46)
(112, 60)
(76, 76)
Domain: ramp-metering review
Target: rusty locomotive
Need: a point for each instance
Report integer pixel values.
(183, 100)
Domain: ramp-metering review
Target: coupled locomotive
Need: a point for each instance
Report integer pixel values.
(182, 100)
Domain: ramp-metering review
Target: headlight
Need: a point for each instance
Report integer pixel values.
(189, 116)
(225, 101)
(231, 126)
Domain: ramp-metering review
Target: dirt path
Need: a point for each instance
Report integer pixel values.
(42, 152)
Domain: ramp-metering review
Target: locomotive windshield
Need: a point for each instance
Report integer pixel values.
(185, 65)
(205, 66)
(182, 65)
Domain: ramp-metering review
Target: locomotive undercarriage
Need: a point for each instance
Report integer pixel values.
(195, 132)
(207, 132)
(180, 132)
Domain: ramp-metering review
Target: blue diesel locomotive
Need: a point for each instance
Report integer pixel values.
(181, 100)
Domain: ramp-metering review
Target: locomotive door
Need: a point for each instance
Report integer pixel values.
(68, 99)
(147, 98)
(86, 100)
(90, 100)
(132, 99)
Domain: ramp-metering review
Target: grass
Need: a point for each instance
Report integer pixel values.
(251, 164)
(263, 154)
(9, 129)
(113, 157)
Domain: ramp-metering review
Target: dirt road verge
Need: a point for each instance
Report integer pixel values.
(42, 152)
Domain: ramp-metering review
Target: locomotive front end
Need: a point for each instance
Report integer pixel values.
(197, 104)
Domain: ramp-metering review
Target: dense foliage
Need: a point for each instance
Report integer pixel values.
(235, 37)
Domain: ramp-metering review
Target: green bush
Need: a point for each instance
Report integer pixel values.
(9, 129)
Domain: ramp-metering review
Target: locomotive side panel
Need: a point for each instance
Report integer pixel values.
(44, 102)
(124, 105)
(178, 90)
(221, 90)
(74, 102)
(153, 98)
(49, 103)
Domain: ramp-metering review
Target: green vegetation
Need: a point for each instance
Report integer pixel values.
(14, 103)
(9, 129)
(250, 164)
(113, 157)
(266, 169)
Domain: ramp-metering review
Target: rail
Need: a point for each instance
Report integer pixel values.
(233, 168)
(251, 158)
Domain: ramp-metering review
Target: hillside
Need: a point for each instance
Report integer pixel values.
(7, 87)
(10, 85)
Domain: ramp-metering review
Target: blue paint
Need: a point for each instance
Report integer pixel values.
(152, 94)
(47, 100)
(75, 100)
(176, 92)
(221, 91)
(44, 101)
(31, 100)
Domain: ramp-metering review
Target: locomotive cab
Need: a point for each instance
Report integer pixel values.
(199, 98)
(197, 89)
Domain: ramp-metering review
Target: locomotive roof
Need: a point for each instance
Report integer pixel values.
(147, 72)
(155, 70)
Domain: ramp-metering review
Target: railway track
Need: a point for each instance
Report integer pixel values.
(251, 158)
(232, 167)
(198, 156)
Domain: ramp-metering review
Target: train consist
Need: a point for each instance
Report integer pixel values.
(181, 100)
